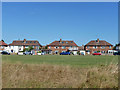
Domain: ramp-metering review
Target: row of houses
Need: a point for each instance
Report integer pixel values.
(59, 46)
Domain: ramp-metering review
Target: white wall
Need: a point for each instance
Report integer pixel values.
(82, 51)
(15, 49)
(74, 52)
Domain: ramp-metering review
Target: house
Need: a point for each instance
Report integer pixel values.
(98, 46)
(63, 46)
(20, 45)
(3, 45)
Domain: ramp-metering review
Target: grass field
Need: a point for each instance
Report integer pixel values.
(62, 60)
(54, 71)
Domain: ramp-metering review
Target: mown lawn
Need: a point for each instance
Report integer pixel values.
(61, 60)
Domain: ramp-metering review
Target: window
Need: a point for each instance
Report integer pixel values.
(38, 47)
(26, 46)
(109, 47)
(62, 42)
(102, 51)
(56, 52)
(95, 47)
(70, 46)
(56, 47)
(33, 46)
(87, 46)
(63, 47)
(66, 42)
(34, 41)
(49, 46)
(30, 41)
(102, 47)
(71, 42)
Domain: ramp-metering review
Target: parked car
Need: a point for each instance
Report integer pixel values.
(27, 53)
(42, 53)
(65, 53)
(5, 53)
(97, 53)
(116, 53)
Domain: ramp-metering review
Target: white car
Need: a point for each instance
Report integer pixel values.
(20, 53)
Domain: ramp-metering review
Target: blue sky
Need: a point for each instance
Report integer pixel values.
(49, 21)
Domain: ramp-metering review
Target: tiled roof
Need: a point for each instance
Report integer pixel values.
(100, 43)
(62, 43)
(25, 43)
(3, 43)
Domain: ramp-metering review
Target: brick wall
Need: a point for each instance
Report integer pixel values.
(98, 49)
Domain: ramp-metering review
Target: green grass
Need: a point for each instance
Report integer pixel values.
(62, 60)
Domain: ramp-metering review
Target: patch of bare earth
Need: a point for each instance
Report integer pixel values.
(56, 76)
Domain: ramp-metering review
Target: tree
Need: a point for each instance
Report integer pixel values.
(2, 40)
(30, 48)
(46, 47)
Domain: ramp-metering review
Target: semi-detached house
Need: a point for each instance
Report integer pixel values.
(63, 46)
(20, 45)
(98, 46)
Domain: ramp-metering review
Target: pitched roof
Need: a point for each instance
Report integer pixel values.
(99, 43)
(63, 43)
(25, 43)
(3, 43)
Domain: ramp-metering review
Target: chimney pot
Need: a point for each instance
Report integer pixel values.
(60, 40)
(98, 40)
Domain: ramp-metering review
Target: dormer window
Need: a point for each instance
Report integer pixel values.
(71, 42)
(34, 42)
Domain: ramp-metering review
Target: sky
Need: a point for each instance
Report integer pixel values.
(49, 21)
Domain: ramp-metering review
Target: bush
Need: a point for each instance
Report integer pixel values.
(39, 51)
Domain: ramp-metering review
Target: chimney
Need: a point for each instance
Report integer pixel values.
(60, 40)
(24, 40)
(98, 40)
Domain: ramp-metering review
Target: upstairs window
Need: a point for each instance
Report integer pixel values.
(56, 47)
(63, 47)
(95, 47)
(87, 46)
(103, 47)
(109, 47)
(70, 46)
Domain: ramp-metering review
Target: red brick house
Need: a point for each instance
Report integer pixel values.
(3, 45)
(98, 46)
(62, 46)
(19, 45)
